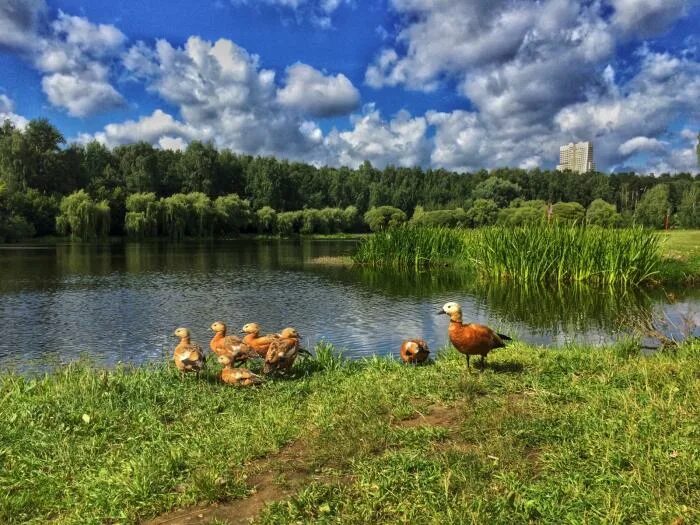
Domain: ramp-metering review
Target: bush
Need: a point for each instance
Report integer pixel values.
(266, 220)
(384, 217)
(446, 218)
(484, 212)
(604, 214)
(568, 213)
(523, 213)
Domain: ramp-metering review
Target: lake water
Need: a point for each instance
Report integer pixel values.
(120, 302)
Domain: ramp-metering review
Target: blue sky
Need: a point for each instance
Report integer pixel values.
(458, 84)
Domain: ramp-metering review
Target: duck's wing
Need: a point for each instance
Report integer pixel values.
(193, 355)
(485, 333)
(248, 377)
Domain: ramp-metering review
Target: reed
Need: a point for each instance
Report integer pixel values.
(534, 253)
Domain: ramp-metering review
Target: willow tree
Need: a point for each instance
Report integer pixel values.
(176, 212)
(266, 219)
(201, 219)
(83, 218)
(142, 215)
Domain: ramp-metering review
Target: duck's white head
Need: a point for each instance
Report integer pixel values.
(251, 328)
(450, 309)
(182, 332)
(218, 326)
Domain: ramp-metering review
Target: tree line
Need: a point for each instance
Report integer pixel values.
(49, 187)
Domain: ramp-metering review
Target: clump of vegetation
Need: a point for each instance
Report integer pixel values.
(520, 442)
(83, 218)
(534, 253)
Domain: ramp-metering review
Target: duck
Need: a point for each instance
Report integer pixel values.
(414, 351)
(237, 376)
(259, 344)
(283, 351)
(471, 338)
(222, 344)
(188, 356)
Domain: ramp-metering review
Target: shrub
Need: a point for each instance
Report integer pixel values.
(604, 214)
(384, 217)
(266, 219)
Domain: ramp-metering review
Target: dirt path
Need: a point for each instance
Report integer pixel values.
(282, 475)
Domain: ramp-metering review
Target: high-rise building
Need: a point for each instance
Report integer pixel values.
(576, 157)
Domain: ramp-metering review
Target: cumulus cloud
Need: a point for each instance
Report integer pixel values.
(647, 17)
(7, 108)
(19, 22)
(637, 144)
(316, 94)
(317, 11)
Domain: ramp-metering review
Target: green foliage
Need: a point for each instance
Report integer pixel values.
(233, 214)
(501, 191)
(266, 220)
(533, 253)
(143, 215)
(483, 212)
(654, 207)
(446, 218)
(39, 210)
(568, 213)
(83, 218)
(688, 215)
(523, 213)
(603, 214)
(384, 217)
(13, 227)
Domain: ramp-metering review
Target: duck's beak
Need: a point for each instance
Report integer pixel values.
(242, 331)
(441, 312)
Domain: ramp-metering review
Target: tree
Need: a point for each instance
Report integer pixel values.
(604, 214)
(13, 227)
(483, 212)
(198, 167)
(266, 219)
(384, 217)
(653, 207)
(233, 214)
(689, 208)
(568, 212)
(501, 191)
(142, 215)
(523, 213)
(83, 218)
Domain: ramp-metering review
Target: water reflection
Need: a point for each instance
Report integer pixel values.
(120, 301)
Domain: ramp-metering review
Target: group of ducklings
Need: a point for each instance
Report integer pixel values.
(279, 351)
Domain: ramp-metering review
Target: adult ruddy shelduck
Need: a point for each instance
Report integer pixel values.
(237, 376)
(283, 351)
(259, 344)
(231, 345)
(471, 338)
(414, 351)
(188, 356)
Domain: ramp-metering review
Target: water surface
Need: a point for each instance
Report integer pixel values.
(120, 302)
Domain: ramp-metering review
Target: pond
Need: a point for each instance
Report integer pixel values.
(121, 301)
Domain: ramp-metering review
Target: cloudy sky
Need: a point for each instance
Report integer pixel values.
(459, 84)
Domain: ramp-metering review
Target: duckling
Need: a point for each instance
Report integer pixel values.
(283, 351)
(259, 344)
(188, 356)
(414, 351)
(471, 339)
(237, 376)
(222, 344)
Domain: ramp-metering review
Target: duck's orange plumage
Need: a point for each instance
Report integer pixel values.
(222, 344)
(283, 352)
(414, 351)
(237, 376)
(259, 344)
(188, 356)
(471, 338)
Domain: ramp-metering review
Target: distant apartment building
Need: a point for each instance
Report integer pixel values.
(576, 157)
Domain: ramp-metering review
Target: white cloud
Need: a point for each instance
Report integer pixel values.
(640, 143)
(316, 94)
(647, 17)
(19, 21)
(7, 108)
(317, 12)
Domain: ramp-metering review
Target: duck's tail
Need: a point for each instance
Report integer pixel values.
(305, 352)
(504, 337)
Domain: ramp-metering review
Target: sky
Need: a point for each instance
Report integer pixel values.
(455, 84)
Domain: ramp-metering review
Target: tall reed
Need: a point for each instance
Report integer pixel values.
(534, 253)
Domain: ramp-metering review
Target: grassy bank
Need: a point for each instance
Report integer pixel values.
(562, 436)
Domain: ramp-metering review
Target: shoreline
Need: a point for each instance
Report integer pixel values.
(512, 443)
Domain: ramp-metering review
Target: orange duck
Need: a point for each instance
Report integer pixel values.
(471, 339)
(414, 351)
(259, 344)
(237, 376)
(283, 351)
(188, 356)
(222, 344)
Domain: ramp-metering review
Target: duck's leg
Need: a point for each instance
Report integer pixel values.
(483, 362)
(468, 365)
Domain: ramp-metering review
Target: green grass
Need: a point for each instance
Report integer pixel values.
(534, 253)
(577, 435)
(681, 250)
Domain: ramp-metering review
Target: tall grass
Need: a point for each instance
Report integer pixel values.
(533, 253)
